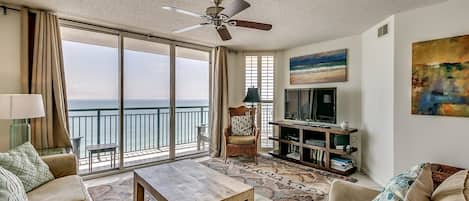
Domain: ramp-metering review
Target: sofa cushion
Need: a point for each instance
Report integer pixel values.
(25, 163)
(241, 140)
(397, 188)
(11, 188)
(62, 189)
(456, 187)
(422, 188)
(241, 125)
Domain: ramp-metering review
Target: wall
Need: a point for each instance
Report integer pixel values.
(426, 138)
(377, 102)
(349, 93)
(10, 65)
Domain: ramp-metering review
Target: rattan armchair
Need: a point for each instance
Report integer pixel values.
(241, 145)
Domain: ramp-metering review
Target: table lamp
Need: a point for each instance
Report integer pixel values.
(20, 108)
(252, 96)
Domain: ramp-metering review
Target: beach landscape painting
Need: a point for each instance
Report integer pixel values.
(319, 68)
(440, 77)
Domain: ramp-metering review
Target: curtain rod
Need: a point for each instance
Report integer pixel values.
(5, 8)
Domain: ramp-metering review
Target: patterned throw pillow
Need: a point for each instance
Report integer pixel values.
(25, 163)
(241, 125)
(11, 188)
(397, 188)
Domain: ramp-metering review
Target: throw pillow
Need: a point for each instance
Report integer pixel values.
(422, 188)
(397, 188)
(455, 187)
(241, 125)
(25, 163)
(11, 188)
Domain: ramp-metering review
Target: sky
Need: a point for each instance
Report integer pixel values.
(91, 72)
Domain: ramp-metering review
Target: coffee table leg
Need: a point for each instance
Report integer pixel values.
(138, 191)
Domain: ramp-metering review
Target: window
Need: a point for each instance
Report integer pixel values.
(122, 89)
(263, 66)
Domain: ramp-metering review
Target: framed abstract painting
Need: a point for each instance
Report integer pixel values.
(440, 77)
(319, 68)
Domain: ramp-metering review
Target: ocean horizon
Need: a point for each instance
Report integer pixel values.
(74, 104)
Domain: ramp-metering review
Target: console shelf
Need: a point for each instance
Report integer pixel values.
(292, 136)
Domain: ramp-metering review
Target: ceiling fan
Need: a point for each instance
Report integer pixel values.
(219, 17)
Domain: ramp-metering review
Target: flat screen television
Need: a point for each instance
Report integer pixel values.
(313, 104)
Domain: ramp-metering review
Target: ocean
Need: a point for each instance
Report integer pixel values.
(145, 128)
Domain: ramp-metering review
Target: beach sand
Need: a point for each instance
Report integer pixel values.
(338, 75)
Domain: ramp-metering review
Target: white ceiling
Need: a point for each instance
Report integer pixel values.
(295, 22)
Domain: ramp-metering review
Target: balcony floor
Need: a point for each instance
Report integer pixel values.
(139, 157)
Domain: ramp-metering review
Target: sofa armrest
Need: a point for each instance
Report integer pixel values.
(61, 165)
(342, 190)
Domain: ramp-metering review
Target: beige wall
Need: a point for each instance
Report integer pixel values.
(377, 102)
(9, 64)
(426, 138)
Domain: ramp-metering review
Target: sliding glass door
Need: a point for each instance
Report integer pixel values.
(192, 100)
(146, 101)
(92, 83)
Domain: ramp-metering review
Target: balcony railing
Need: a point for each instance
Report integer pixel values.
(144, 128)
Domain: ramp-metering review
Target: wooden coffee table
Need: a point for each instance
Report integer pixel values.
(188, 181)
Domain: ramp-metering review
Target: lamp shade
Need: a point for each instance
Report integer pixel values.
(21, 106)
(252, 96)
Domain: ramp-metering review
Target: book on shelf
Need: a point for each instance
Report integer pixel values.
(341, 164)
(318, 156)
(340, 168)
(342, 160)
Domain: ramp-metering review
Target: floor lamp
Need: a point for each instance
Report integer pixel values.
(20, 108)
(252, 97)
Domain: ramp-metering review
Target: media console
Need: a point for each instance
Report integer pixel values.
(311, 145)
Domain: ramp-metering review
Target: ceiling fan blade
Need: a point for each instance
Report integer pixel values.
(188, 28)
(250, 24)
(186, 12)
(235, 7)
(224, 33)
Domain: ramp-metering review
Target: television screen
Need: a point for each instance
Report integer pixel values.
(324, 105)
(291, 104)
(315, 104)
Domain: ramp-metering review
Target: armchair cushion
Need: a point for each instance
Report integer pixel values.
(61, 165)
(241, 125)
(343, 190)
(61, 189)
(241, 140)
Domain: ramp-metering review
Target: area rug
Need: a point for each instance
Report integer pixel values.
(271, 178)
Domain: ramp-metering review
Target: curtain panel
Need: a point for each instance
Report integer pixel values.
(42, 72)
(219, 106)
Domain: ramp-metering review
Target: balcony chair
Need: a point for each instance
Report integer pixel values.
(241, 135)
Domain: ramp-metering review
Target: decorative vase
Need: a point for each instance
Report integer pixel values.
(345, 125)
